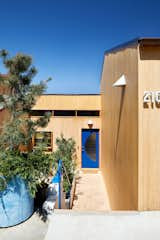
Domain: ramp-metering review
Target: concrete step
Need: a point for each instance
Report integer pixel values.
(71, 225)
(89, 170)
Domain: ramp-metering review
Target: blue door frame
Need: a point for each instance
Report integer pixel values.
(90, 148)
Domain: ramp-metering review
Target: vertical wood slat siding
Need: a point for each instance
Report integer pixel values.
(69, 126)
(68, 102)
(119, 157)
(149, 130)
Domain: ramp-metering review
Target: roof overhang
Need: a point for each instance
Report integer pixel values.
(137, 41)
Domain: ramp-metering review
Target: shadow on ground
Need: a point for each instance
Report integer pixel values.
(35, 228)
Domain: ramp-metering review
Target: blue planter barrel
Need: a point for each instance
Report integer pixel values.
(16, 204)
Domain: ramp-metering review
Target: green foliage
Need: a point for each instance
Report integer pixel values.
(19, 100)
(33, 167)
(21, 94)
(66, 151)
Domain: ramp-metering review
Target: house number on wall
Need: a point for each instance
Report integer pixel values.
(151, 96)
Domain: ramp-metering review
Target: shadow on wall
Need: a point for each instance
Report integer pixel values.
(119, 119)
(151, 54)
(115, 175)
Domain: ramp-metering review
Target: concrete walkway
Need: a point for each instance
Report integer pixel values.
(90, 194)
(70, 225)
(32, 229)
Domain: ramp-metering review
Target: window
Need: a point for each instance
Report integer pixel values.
(67, 113)
(43, 137)
(90, 146)
(88, 113)
(64, 113)
(39, 112)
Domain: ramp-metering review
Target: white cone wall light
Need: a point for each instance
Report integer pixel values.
(120, 82)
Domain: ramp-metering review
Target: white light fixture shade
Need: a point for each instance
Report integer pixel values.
(90, 122)
(120, 82)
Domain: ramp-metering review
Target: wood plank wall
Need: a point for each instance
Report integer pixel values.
(149, 130)
(68, 102)
(70, 126)
(119, 156)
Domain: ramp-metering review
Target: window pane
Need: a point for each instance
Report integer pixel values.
(44, 138)
(64, 113)
(90, 146)
(38, 112)
(88, 113)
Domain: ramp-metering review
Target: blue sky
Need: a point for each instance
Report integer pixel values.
(67, 38)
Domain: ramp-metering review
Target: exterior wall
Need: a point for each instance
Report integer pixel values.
(70, 126)
(68, 102)
(3, 113)
(119, 157)
(3, 116)
(149, 130)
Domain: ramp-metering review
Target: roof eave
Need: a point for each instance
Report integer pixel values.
(137, 41)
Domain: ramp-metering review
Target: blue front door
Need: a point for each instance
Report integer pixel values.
(90, 148)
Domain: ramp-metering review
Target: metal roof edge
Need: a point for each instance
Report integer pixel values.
(135, 41)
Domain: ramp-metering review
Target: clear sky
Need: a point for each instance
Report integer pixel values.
(67, 38)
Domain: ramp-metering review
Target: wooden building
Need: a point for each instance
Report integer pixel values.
(130, 157)
(76, 116)
(117, 131)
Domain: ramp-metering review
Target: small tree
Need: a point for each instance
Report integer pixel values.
(20, 97)
(66, 151)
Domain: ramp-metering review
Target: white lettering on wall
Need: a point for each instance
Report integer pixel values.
(151, 96)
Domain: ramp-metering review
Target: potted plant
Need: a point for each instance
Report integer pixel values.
(66, 151)
(22, 168)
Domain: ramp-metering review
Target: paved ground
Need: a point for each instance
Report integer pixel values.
(32, 229)
(90, 193)
(70, 225)
(88, 220)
